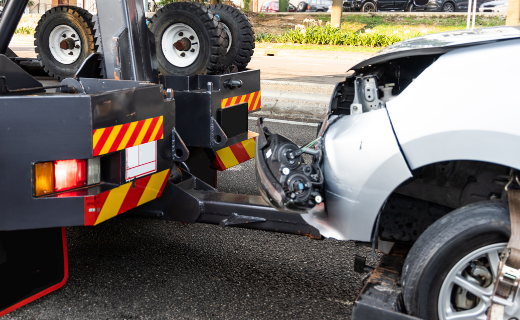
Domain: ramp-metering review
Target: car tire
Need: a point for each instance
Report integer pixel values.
(201, 38)
(302, 6)
(448, 7)
(442, 255)
(78, 28)
(369, 7)
(241, 37)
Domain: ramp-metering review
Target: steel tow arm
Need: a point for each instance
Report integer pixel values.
(508, 279)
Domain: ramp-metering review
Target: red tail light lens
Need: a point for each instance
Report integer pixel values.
(69, 174)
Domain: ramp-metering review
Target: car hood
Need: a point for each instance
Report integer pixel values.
(439, 43)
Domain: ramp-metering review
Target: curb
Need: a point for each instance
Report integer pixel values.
(299, 100)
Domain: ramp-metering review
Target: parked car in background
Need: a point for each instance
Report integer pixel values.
(274, 6)
(494, 6)
(314, 5)
(377, 5)
(447, 5)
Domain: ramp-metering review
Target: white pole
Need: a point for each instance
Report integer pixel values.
(474, 14)
(469, 12)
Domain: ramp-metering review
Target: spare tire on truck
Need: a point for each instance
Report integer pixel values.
(241, 37)
(64, 38)
(189, 38)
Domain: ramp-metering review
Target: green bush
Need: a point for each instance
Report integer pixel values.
(333, 36)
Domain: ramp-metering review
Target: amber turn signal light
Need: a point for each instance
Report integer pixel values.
(44, 178)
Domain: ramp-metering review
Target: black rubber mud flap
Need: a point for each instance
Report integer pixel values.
(33, 263)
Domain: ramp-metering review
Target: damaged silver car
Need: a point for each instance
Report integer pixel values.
(418, 148)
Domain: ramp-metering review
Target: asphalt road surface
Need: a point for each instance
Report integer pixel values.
(129, 268)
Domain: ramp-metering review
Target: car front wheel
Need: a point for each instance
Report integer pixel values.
(450, 271)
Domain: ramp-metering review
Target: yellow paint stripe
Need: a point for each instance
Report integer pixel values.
(242, 99)
(158, 127)
(233, 101)
(153, 187)
(97, 136)
(249, 145)
(111, 138)
(144, 129)
(127, 136)
(250, 100)
(256, 101)
(227, 157)
(223, 104)
(113, 203)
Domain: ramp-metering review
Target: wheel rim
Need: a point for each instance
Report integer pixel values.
(448, 7)
(300, 6)
(459, 285)
(230, 38)
(180, 45)
(65, 44)
(369, 8)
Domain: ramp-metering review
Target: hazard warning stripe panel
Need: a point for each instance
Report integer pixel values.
(111, 139)
(116, 201)
(235, 154)
(253, 99)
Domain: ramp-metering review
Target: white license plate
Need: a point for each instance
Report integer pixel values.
(141, 160)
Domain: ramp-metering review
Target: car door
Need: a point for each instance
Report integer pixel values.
(385, 5)
(400, 5)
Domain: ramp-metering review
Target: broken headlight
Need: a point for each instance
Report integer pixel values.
(285, 181)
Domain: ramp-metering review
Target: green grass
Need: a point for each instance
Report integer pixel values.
(24, 30)
(375, 31)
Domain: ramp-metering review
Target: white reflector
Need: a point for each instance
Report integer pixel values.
(93, 171)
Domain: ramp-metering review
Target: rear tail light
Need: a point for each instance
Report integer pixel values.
(308, 7)
(70, 174)
(65, 175)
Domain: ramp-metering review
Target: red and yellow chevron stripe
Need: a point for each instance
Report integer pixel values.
(109, 204)
(235, 154)
(127, 135)
(253, 99)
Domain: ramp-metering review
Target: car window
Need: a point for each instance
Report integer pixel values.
(276, 5)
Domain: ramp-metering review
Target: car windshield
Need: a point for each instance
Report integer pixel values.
(276, 5)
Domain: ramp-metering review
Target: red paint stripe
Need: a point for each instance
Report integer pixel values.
(102, 140)
(228, 103)
(164, 184)
(94, 202)
(135, 134)
(250, 107)
(240, 152)
(134, 194)
(159, 134)
(217, 164)
(259, 104)
(48, 290)
(119, 137)
(151, 128)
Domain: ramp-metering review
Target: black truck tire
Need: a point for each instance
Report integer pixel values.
(64, 38)
(302, 6)
(448, 246)
(189, 38)
(241, 37)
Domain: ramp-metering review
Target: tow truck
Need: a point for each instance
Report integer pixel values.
(396, 164)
